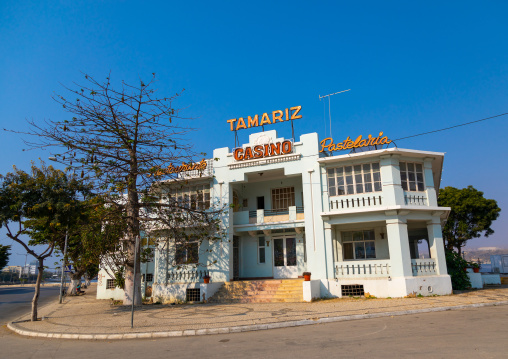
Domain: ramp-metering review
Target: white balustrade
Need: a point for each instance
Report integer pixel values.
(415, 198)
(355, 201)
(186, 276)
(423, 267)
(360, 269)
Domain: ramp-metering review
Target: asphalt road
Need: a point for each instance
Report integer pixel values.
(17, 301)
(471, 333)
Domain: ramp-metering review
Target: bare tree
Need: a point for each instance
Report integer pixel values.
(121, 138)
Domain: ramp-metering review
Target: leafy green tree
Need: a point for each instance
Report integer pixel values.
(39, 204)
(93, 236)
(123, 137)
(471, 216)
(4, 256)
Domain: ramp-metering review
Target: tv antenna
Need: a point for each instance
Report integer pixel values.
(329, 112)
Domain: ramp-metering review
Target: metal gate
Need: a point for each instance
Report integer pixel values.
(236, 256)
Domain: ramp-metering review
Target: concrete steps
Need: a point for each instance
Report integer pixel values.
(260, 291)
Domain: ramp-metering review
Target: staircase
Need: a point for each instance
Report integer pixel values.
(260, 291)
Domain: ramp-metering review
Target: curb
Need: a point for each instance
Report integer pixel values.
(238, 329)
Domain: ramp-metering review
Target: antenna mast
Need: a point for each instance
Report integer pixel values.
(329, 111)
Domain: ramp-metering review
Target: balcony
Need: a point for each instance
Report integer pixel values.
(363, 269)
(293, 213)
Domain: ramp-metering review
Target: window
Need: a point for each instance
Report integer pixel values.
(344, 180)
(411, 176)
(149, 277)
(353, 290)
(187, 252)
(192, 294)
(193, 197)
(110, 284)
(283, 198)
(358, 245)
(261, 250)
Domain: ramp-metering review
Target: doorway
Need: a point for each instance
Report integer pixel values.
(261, 202)
(236, 257)
(284, 257)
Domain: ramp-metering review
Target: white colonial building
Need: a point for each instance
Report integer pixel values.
(359, 222)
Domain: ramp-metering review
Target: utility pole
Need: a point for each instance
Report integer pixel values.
(329, 107)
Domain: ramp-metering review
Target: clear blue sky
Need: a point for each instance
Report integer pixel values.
(411, 67)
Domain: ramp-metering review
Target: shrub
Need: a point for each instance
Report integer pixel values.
(457, 270)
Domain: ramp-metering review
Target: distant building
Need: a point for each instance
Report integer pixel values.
(13, 269)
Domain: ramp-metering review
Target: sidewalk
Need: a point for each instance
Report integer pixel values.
(84, 317)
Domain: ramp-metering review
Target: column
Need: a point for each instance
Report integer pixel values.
(429, 182)
(398, 244)
(393, 193)
(436, 245)
(329, 250)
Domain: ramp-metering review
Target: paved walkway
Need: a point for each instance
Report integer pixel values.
(84, 317)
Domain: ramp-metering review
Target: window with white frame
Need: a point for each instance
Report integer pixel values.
(110, 284)
(193, 197)
(411, 176)
(261, 250)
(358, 245)
(355, 179)
(283, 198)
(187, 251)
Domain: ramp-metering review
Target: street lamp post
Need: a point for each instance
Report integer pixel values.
(54, 159)
(134, 284)
(63, 267)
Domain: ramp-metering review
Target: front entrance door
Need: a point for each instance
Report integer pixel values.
(284, 258)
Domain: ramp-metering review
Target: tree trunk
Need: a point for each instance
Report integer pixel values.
(129, 285)
(73, 285)
(132, 232)
(75, 280)
(459, 250)
(87, 281)
(35, 299)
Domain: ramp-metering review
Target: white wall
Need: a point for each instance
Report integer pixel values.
(103, 292)
(392, 287)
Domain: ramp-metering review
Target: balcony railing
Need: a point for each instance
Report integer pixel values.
(423, 267)
(269, 215)
(351, 202)
(360, 269)
(187, 276)
(415, 199)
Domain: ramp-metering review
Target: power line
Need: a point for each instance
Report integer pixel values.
(449, 128)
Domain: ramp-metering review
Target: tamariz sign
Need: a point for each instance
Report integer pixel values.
(263, 151)
(267, 118)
